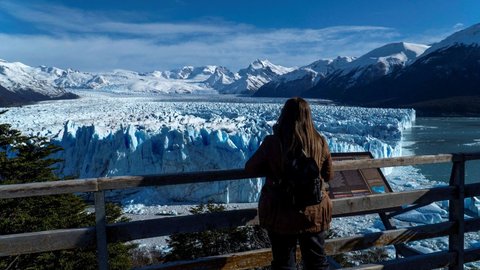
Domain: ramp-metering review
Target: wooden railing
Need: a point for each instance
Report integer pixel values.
(104, 233)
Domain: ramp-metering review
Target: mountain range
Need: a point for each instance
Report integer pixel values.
(21, 84)
(436, 79)
(441, 79)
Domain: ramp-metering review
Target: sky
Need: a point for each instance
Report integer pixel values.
(147, 35)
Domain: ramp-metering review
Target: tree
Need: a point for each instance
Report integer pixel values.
(25, 159)
(189, 246)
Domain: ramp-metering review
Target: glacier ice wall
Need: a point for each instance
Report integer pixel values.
(111, 136)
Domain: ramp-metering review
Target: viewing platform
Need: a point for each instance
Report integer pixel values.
(385, 204)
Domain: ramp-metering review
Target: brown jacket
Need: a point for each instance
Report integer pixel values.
(274, 213)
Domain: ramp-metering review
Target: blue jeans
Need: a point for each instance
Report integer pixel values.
(284, 248)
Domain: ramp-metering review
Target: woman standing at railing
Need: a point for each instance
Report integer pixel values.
(294, 135)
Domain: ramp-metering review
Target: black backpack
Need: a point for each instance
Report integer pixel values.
(302, 181)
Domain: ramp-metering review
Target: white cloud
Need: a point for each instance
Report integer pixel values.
(93, 42)
(458, 26)
(289, 47)
(60, 20)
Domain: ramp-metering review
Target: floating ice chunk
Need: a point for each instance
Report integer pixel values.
(428, 214)
(423, 249)
(432, 208)
(418, 217)
(470, 204)
(473, 204)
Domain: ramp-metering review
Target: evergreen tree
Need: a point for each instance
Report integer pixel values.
(189, 246)
(25, 159)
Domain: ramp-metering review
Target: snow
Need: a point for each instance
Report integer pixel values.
(401, 53)
(253, 77)
(17, 76)
(205, 79)
(383, 59)
(466, 37)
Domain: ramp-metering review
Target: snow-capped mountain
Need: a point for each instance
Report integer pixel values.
(444, 79)
(296, 81)
(182, 81)
(51, 82)
(389, 56)
(466, 37)
(190, 72)
(382, 77)
(221, 77)
(19, 77)
(254, 76)
(375, 64)
(440, 79)
(20, 84)
(189, 79)
(345, 72)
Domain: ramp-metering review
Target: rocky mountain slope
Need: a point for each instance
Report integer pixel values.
(22, 84)
(441, 79)
(344, 72)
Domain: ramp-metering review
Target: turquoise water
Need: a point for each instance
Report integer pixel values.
(435, 135)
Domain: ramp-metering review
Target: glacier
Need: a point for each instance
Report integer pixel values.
(107, 134)
(104, 134)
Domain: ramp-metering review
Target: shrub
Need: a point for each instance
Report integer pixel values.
(188, 246)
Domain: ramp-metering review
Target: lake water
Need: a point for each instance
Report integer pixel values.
(444, 135)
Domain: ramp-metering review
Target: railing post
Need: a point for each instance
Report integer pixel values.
(457, 211)
(100, 226)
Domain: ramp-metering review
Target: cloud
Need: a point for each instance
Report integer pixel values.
(88, 41)
(54, 19)
(289, 47)
(458, 26)
(432, 36)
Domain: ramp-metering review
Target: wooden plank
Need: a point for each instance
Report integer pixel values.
(218, 175)
(101, 231)
(262, 257)
(123, 182)
(421, 262)
(15, 244)
(192, 223)
(384, 202)
(385, 238)
(472, 190)
(456, 238)
(341, 207)
(25, 243)
(472, 225)
(400, 249)
(472, 156)
(241, 260)
(345, 165)
(167, 226)
(472, 255)
(47, 188)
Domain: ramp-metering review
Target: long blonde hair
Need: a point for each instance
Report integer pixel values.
(297, 132)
